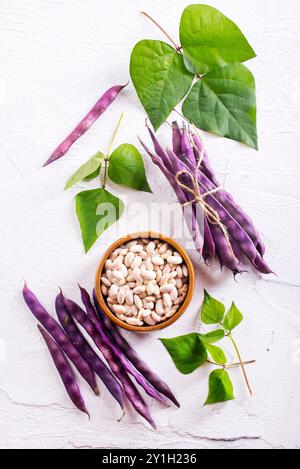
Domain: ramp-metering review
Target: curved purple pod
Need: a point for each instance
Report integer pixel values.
(65, 371)
(60, 337)
(100, 107)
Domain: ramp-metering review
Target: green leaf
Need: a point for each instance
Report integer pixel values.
(214, 336)
(211, 40)
(220, 387)
(223, 102)
(93, 175)
(233, 318)
(212, 311)
(160, 78)
(216, 354)
(126, 166)
(96, 210)
(86, 170)
(187, 351)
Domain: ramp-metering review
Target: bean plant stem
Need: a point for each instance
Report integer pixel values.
(233, 365)
(241, 363)
(177, 47)
(106, 160)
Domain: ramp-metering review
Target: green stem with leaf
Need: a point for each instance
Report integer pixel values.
(241, 362)
(177, 47)
(106, 160)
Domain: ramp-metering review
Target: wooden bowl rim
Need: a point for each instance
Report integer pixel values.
(133, 236)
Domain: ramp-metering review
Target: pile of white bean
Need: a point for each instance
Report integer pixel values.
(144, 282)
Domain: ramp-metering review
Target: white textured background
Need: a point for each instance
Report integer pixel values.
(56, 59)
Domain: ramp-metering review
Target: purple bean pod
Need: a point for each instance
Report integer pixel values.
(65, 371)
(182, 198)
(236, 211)
(60, 337)
(87, 352)
(130, 390)
(131, 354)
(234, 229)
(186, 146)
(176, 139)
(128, 367)
(100, 107)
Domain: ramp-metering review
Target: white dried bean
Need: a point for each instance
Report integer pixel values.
(164, 279)
(156, 291)
(149, 264)
(117, 263)
(167, 299)
(139, 290)
(151, 248)
(179, 300)
(155, 317)
(115, 254)
(179, 272)
(109, 275)
(129, 298)
(167, 269)
(150, 321)
(134, 322)
(131, 284)
(157, 260)
(137, 274)
(106, 281)
(174, 294)
(185, 271)
(124, 270)
(121, 297)
(108, 264)
(174, 260)
(119, 309)
(129, 259)
(166, 288)
(118, 276)
(159, 308)
(131, 243)
(121, 317)
(137, 262)
(158, 275)
(146, 312)
(138, 302)
(148, 304)
(144, 255)
(113, 291)
(179, 283)
(137, 248)
(173, 274)
(150, 289)
(149, 275)
(163, 249)
(104, 290)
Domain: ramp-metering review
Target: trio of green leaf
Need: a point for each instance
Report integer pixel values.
(98, 209)
(191, 351)
(206, 70)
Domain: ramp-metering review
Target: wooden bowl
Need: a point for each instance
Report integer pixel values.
(185, 304)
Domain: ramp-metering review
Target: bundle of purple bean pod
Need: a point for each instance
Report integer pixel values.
(223, 230)
(68, 342)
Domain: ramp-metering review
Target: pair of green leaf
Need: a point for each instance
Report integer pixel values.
(213, 313)
(98, 209)
(191, 351)
(126, 167)
(223, 101)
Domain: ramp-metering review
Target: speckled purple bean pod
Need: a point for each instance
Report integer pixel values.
(87, 352)
(100, 107)
(128, 367)
(130, 390)
(131, 354)
(65, 371)
(60, 337)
